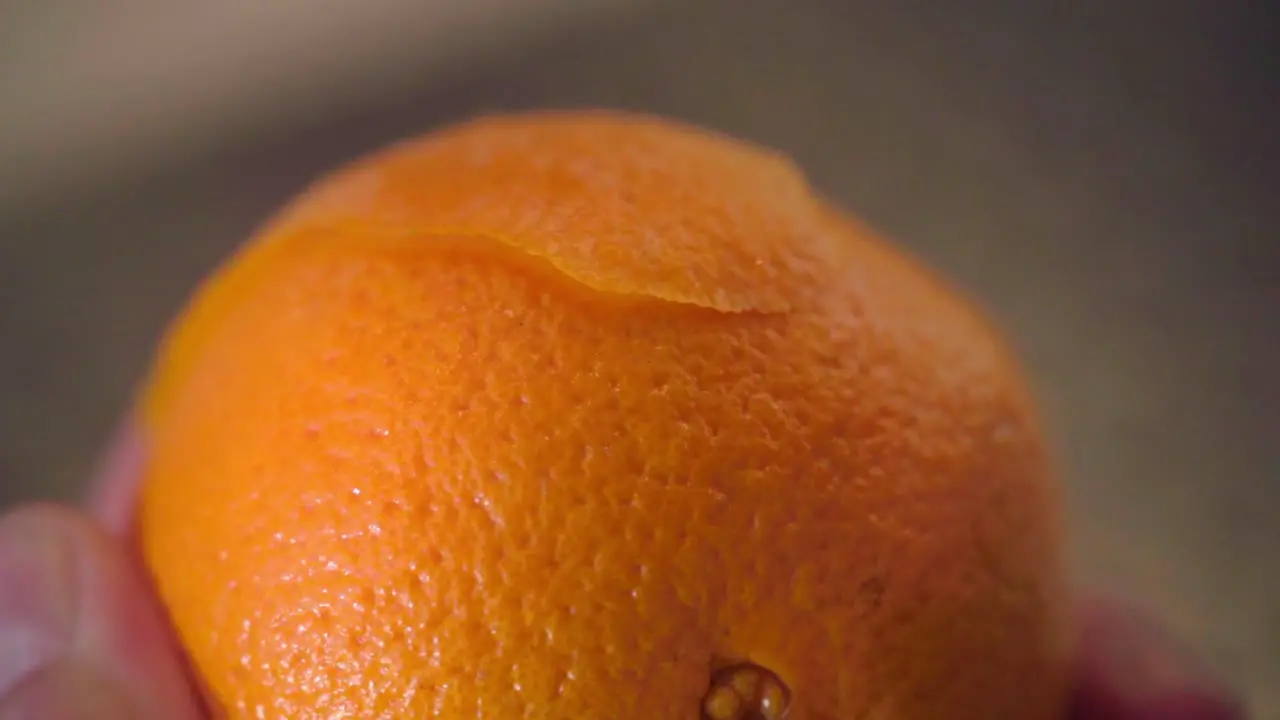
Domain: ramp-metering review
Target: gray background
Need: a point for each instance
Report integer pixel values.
(1101, 175)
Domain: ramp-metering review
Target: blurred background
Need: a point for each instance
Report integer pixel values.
(1102, 175)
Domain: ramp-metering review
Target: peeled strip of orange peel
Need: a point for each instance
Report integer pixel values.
(714, 266)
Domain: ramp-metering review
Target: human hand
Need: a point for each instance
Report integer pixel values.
(81, 636)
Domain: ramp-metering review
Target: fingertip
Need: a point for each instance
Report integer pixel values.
(77, 621)
(1131, 668)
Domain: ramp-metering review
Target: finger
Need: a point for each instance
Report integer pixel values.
(80, 636)
(113, 491)
(1130, 669)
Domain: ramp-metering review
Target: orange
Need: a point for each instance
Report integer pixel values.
(596, 415)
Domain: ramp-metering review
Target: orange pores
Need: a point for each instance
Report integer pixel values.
(597, 415)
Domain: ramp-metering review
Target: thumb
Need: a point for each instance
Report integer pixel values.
(80, 635)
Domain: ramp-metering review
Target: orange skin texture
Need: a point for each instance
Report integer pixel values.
(553, 415)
